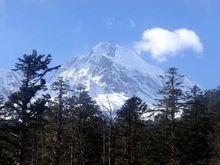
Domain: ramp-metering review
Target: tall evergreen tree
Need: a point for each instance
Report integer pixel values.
(169, 105)
(86, 132)
(129, 124)
(62, 88)
(195, 133)
(172, 95)
(23, 108)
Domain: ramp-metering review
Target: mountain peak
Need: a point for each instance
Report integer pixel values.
(104, 44)
(113, 72)
(110, 72)
(104, 49)
(122, 56)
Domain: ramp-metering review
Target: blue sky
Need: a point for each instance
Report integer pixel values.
(68, 27)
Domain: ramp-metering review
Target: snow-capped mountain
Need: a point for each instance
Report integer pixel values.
(112, 74)
(9, 82)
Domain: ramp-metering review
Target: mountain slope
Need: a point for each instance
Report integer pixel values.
(9, 82)
(112, 74)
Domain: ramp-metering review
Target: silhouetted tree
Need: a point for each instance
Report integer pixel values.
(170, 104)
(129, 123)
(195, 133)
(22, 106)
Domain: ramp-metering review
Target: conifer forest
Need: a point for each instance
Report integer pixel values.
(70, 128)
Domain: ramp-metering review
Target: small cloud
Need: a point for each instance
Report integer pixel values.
(110, 22)
(132, 23)
(162, 43)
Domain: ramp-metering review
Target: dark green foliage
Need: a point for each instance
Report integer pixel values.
(170, 103)
(23, 113)
(62, 88)
(195, 131)
(169, 106)
(161, 143)
(88, 129)
(74, 129)
(212, 98)
(130, 126)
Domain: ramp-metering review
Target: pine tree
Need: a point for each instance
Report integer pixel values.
(195, 133)
(172, 95)
(78, 127)
(62, 88)
(88, 129)
(129, 124)
(23, 109)
(70, 134)
(170, 104)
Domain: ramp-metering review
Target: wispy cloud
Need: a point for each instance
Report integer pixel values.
(132, 23)
(110, 23)
(162, 44)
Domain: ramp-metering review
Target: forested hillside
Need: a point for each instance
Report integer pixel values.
(182, 128)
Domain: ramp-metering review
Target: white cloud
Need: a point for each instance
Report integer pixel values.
(162, 43)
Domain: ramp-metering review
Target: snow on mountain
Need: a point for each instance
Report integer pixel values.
(9, 82)
(112, 74)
